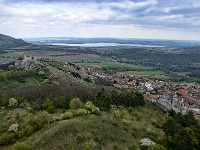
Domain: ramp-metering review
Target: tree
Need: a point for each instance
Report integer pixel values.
(75, 103)
(169, 128)
(186, 139)
(171, 113)
(49, 106)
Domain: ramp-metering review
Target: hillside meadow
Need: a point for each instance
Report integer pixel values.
(118, 128)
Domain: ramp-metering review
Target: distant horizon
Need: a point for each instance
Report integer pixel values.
(109, 38)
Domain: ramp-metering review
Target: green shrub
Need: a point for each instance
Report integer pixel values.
(82, 112)
(21, 80)
(25, 132)
(74, 112)
(13, 102)
(116, 114)
(86, 147)
(21, 146)
(41, 73)
(134, 134)
(68, 115)
(56, 77)
(51, 109)
(46, 81)
(134, 127)
(123, 113)
(57, 118)
(125, 128)
(47, 103)
(79, 137)
(144, 147)
(7, 138)
(25, 105)
(97, 138)
(40, 120)
(75, 103)
(92, 108)
(112, 137)
(130, 109)
(125, 122)
(156, 147)
(119, 113)
(138, 116)
(133, 147)
(115, 146)
(49, 106)
(115, 123)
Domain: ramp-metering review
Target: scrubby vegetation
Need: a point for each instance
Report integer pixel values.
(83, 127)
(182, 131)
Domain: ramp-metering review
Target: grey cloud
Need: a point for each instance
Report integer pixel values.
(55, 1)
(151, 13)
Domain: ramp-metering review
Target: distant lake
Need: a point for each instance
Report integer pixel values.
(103, 45)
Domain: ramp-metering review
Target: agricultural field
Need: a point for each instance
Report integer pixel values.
(8, 57)
(104, 63)
(145, 72)
(181, 73)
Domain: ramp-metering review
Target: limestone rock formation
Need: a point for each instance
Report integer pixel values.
(28, 63)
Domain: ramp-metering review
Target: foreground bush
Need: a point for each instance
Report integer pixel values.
(25, 132)
(82, 112)
(40, 120)
(21, 146)
(92, 108)
(49, 106)
(13, 102)
(7, 138)
(68, 115)
(75, 103)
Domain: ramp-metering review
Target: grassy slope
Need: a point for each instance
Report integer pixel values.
(99, 132)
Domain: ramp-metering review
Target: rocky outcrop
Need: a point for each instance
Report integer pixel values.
(28, 63)
(147, 142)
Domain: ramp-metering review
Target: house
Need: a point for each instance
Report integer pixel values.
(154, 97)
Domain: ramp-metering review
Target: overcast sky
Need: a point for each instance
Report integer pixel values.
(155, 19)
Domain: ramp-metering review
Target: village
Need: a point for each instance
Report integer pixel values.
(180, 97)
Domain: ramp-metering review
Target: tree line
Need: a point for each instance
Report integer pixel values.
(61, 95)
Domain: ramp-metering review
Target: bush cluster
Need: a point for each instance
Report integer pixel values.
(92, 108)
(13, 102)
(21, 146)
(27, 131)
(68, 115)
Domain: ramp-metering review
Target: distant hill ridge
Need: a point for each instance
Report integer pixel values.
(10, 42)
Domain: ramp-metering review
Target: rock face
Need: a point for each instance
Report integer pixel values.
(14, 127)
(147, 142)
(28, 63)
(10, 42)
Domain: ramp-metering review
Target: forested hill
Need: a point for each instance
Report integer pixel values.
(10, 42)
